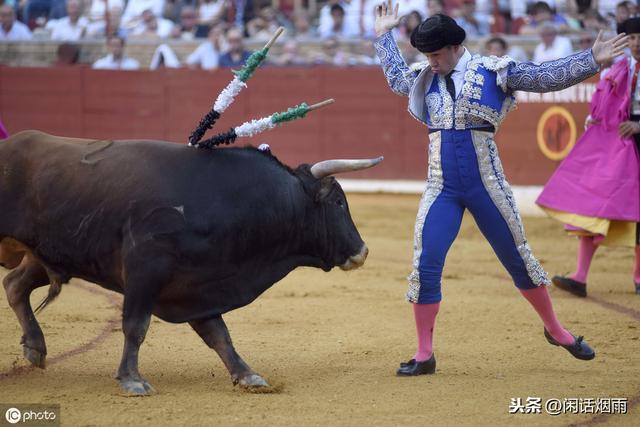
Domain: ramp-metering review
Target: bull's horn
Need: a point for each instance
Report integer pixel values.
(331, 167)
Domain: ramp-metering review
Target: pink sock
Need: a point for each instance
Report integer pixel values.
(540, 300)
(425, 317)
(586, 249)
(636, 271)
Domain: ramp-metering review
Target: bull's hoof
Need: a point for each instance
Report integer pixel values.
(253, 382)
(35, 357)
(138, 387)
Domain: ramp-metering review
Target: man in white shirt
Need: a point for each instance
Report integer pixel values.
(133, 12)
(10, 29)
(152, 26)
(207, 55)
(553, 46)
(72, 27)
(116, 60)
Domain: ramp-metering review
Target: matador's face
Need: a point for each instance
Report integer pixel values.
(443, 60)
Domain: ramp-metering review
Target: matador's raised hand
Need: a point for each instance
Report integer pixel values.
(605, 51)
(386, 17)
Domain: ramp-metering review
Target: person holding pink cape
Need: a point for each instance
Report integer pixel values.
(595, 191)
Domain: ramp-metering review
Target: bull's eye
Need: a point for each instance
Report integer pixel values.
(340, 203)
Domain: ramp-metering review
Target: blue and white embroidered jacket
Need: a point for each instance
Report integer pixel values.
(487, 91)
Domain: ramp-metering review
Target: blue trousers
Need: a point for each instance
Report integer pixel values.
(465, 173)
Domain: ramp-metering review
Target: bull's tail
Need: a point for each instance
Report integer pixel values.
(54, 291)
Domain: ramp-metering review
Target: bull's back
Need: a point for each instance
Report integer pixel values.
(72, 183)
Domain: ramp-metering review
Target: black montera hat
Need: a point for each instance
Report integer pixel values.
(437, 32)
(630, 26)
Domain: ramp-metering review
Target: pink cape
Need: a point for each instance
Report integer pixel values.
(3, 132)
(601, 175)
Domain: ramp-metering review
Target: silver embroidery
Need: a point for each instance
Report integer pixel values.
(469, 112)
(552, 75)
(434, 103)
(500, 65)
(499, 190)
(435, 183)
(442, 118)
(398, 74)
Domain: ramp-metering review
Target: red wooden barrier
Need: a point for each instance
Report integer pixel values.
(367, 119)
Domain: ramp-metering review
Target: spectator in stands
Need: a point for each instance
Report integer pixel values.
(99, 29)
(497, 46)
(290, 55)
(207, 55)
(592, 21)
(408, 23)
(10, 29)
(553, 46)
(116, 59)
(35, 13)
(624, 11)
(263, 26)
(132, 15)
(72, 27)
(67, 54)
(173, 8)
(607, 8)
(586, 40)
(474, 23)
(152, 27)
(236, 55)
(350, 18)
(405, 7)
(540, 13)
(188, 27)
(337, 27)
(434, 7)
(96, 12)
(302, 28)
(211, 11)
(164, 57)
(334, 54)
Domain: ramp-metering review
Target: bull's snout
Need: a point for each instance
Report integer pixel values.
(356, 261)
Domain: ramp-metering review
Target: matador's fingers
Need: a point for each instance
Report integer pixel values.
(395, 11)
(599, 37)
(620, 41)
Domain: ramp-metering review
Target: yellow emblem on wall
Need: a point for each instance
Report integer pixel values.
(552, 128)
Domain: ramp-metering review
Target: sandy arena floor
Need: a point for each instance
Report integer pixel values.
(329, 343)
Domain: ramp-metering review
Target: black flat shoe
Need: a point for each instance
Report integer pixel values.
(637, 287)
(579, 349)
(413, 368)
(570, 285)
(409, 363)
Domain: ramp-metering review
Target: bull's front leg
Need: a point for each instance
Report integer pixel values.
(215, 334)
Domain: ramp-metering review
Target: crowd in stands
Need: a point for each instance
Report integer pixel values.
(223, 26)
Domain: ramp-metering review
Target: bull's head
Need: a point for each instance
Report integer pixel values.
(336, 239)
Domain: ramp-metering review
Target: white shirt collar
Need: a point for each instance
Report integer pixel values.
(463, 61)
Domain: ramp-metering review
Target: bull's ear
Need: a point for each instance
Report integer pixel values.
(325, 187)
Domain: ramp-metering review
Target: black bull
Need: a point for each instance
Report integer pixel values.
(183, 233)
